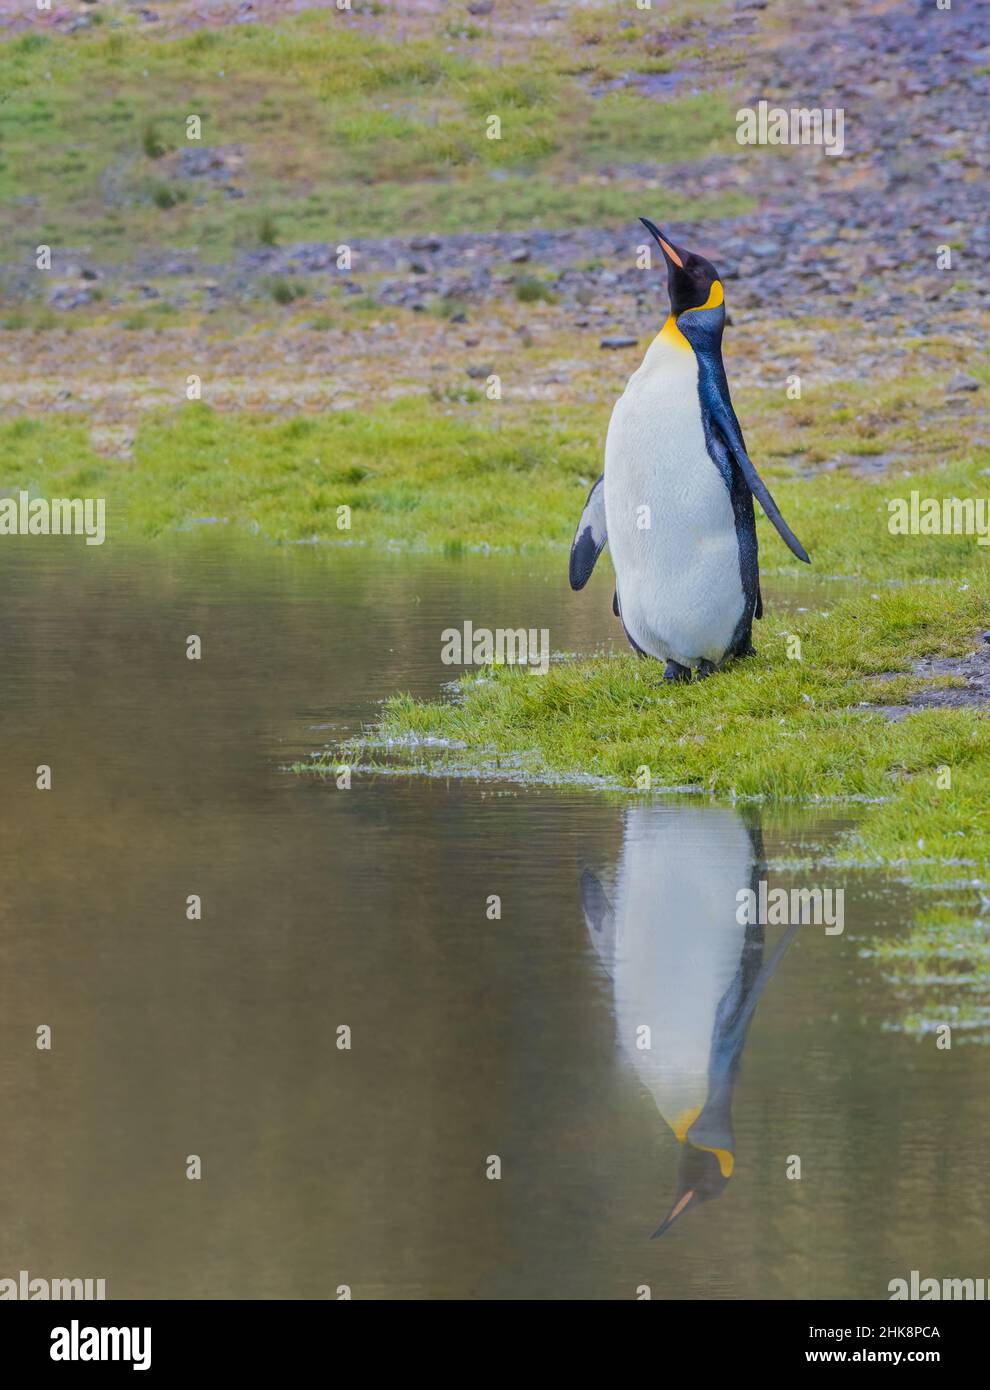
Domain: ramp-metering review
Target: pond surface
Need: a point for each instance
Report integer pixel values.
(472, 1039)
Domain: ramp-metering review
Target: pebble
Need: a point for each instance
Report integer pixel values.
(961, 382)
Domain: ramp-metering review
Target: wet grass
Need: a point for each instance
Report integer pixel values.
(771, 727)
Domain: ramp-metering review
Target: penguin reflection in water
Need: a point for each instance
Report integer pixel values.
(675, 502)
(684, 969)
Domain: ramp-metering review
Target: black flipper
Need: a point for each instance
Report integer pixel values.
(615, 602)
(759, 601)
(589, 539)
(724, 419)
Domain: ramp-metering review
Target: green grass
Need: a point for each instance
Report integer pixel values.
(432, 476)
(530, 290)
(770, 727)
(413, 472)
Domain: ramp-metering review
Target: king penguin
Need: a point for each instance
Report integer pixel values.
(686, 975)
(675, 501)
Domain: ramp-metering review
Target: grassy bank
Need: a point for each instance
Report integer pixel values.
(774, 728)
(770, 727)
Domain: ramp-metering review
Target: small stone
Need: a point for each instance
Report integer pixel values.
(961, 382)
(619, 341)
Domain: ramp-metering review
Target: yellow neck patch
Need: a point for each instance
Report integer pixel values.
(686, 1118)
(683, 1123)
(672, 334)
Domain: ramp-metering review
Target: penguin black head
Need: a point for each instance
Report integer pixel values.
(692, 282)
(701, 1177)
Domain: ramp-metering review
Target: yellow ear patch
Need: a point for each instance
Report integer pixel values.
(726, 1161)
(716, 296)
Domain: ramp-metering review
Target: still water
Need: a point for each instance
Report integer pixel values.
(471, 1038)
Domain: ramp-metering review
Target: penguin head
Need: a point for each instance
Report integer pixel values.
(692, 282)
(703, 1174)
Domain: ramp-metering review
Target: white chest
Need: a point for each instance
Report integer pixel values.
(671, 528)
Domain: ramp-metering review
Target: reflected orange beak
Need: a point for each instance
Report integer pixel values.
(681, 1206)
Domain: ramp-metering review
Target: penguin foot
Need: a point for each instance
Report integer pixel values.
(705, 669)
(674, 671)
